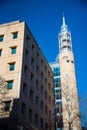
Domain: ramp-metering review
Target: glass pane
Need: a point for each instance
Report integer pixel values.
(1, 38)
(7, 106)
(0, 52)
(13, 50)
(12, 66)
(15, 35)
(10, 84)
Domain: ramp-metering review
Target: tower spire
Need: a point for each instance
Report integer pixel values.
(64, 21)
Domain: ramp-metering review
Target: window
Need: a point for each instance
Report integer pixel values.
(45, 68)
(13, 50)
(46, 94)
(46, 81)
(15, 35)
(11, 66)
(41, 62)
(49, 74)
(7, 105)
(37, 83)
(32, 62)
(0, 52)
(41, 123)
(24, 87)
(41, 105)
(56, 71)
(26, 53)
(30, 115)
(42, 75)
(31, 94)
(58, 94)
(36, 119)
(46, 110)
(37, 54)
(46, 126)
(1, 38)
(49, 99)
(42, 89)
(37, 69)
(37, 100)
(49, 114)
(23, 109)
(68, 61)
(25, 69)
(71, 61)
(49, 86)
(10, 84)
(33, 48)
(32, 77)
(57, 82)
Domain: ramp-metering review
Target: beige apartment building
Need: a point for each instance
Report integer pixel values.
(29, 103)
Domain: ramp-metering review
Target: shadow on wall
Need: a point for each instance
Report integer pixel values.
(9, 119)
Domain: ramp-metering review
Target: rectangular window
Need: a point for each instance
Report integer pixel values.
(36, 119)
(56, 71)
(23, 109)
(41, 105)
(11, 66)
(37, 100)
(1, 38)
(7, 105)
(41, 123)
(13, 50)
(15, 35)
(30, 115)
(10, 84)
(31, 95)
(0, 52)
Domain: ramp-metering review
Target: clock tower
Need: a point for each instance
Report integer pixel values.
(70, 104)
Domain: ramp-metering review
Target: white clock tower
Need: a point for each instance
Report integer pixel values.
(70, 104)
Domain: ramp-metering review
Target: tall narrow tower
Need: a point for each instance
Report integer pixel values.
(70, 105)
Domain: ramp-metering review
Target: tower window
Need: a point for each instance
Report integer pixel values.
(1, 38)
(71, 61)
(0, 52)
(68, 61)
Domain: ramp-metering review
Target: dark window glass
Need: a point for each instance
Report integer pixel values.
(1, 38)
(56, 71)
(10, 84)
(11, 66)
(13, 50)
(15, 35)
(0, 52)
(7, 105)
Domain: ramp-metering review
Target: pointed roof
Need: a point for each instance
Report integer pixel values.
(64, 26)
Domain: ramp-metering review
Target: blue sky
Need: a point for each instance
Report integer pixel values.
(44, 18)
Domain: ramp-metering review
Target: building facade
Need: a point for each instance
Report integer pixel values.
(69, 94)
(57, 92)
(29, 102)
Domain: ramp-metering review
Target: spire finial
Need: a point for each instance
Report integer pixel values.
(63, 19)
